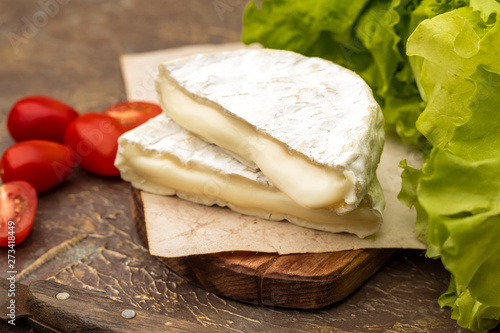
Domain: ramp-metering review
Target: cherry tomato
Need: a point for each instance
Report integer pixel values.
(39, 117)
(18, 202)
(133, 114)
(93, 138)
(43, 164)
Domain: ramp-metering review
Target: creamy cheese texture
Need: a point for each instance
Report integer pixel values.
(163, 158)
(312, 127)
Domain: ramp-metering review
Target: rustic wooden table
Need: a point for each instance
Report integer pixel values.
(84, 234)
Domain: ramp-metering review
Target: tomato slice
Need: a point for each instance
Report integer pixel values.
(43, 164)
(93, 139)
(18, 203)
(133, 114)
(39, 117)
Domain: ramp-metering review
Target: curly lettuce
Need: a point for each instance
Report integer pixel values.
(457, 55)
(434, 66)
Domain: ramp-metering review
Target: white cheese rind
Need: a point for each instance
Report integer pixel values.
(319, 111)
(162, 158)
(318, 186)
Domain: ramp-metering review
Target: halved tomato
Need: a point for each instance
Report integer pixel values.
(18, 203)
(39, 118)
(93, 139)
(133, 114)
(43, 164)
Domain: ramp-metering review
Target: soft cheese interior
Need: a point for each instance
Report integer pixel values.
(312, 127)
(161, 157)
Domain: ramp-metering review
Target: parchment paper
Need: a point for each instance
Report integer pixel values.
(179, 228)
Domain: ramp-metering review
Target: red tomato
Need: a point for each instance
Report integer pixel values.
(43, 164)
(133, 114)
(93, 138)
(18, 202)
(40, 117)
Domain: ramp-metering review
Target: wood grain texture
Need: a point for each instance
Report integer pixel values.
(299, 281)
(89, 312)
(84, 235)
(314, 281)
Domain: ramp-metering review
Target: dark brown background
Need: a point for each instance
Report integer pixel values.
(84, 235)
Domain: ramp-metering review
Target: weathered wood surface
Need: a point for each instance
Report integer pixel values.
(84, 235)
(299, 281)
(68, 309)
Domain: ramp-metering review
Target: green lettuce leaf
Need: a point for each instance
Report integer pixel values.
(458, 189)
(408, 195)
(468, 311)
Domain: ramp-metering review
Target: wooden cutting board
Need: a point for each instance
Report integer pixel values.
(301, 281)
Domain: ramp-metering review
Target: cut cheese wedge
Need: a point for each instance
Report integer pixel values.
(312, 127)
(163, 158)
